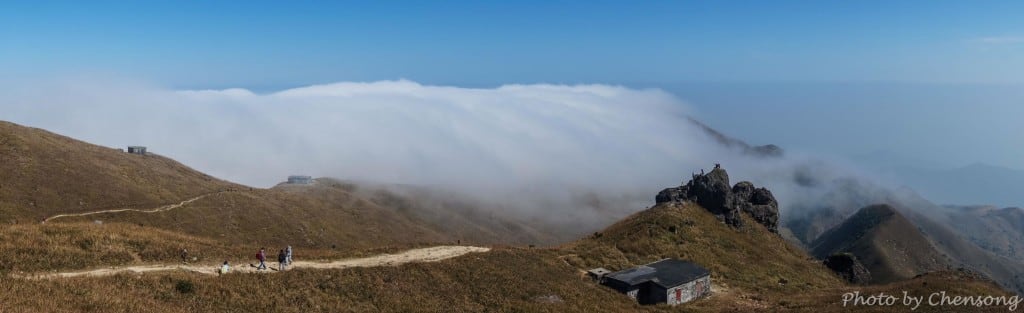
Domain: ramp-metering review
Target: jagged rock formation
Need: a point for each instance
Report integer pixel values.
(711, 191)
(758, 202)
(849, 268)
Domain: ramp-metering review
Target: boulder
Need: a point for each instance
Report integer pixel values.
(849, 268)
(674, 194)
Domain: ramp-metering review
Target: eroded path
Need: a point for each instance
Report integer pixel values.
(431, 254)
(159, 209)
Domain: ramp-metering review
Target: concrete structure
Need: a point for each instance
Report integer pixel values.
(598, 274)
(137, 150)
(667, 281)
(300, 180)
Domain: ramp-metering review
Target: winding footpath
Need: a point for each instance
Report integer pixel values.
(430, 254)
(159, 209)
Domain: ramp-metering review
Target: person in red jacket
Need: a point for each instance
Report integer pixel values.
(262, 257)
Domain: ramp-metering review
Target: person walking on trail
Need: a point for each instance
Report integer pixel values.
(224, 268)
(282, 259)
(184, 256)
(288, 255)
(262, 257)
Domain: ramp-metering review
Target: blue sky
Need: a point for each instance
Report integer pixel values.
(911, 78)
(267, 44)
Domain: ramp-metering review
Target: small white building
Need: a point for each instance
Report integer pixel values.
(667, 281)
(140, 150)
(300, 180)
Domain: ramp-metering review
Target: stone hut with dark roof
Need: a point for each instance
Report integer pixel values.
(669, 281)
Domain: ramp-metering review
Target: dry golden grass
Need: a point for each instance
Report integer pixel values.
(42, 174)
(503, 280)
(953, 283)
(34, 248)
(40, 248)
(750, 259)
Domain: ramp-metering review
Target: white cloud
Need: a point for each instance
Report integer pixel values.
(534, 147)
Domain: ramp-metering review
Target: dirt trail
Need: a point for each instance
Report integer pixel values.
(431, 254)
(159, 209)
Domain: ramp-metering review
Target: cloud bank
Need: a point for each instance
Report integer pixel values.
(545, 150)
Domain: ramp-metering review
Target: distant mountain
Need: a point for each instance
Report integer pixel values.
(977, 183)
(945, 235)
(998, 230)
(768, 150)
(884, 241)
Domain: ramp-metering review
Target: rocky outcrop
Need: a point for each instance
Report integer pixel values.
(712, 192)
(758, 202)
(674, 194)
(849, 268)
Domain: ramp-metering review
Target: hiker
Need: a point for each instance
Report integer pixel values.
(224, 268)
(281, 259)
(262, 257)
(184, 255)
(288, 255)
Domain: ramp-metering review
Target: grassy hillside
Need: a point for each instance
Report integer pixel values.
(750, 260)
(504, 280)
(460, 216)
(272, 217)
(34, 248)
(885, 242)
(42, 174)
(747, 266)
(954, 283)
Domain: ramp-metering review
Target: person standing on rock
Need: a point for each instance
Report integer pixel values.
(282, 259)
(288, 255)
(262, 257)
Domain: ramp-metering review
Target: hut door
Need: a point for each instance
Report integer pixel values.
(679, 294)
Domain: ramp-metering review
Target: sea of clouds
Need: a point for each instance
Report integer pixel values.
(546, 150)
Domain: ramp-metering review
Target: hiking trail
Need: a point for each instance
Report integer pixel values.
(430, 254)
(158, 209)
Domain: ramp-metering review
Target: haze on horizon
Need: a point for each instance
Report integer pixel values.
(923, 85)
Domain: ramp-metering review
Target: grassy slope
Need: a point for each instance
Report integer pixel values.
(460, 217)
(750, 261)
(885, 242)
(746, 263)
(503, 280)
(42, 174)
(952, 282)
(278, 218)
(33, 248)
